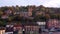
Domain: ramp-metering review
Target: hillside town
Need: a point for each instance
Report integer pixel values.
(29, 19)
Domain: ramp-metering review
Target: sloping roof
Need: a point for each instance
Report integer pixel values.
(31, 24)
(17, 25)
(2, 28)
(26, 24)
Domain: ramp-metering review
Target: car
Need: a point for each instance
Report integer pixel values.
(57, 29)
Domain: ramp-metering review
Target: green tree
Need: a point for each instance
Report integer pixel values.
(3, 22)
(40, 18)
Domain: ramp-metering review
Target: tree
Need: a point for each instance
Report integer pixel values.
(47, 16)
(1, 12)
(17, 7)
(10, 18)
(42, 8)
(40, 18)
(4, 8)
(3, 23)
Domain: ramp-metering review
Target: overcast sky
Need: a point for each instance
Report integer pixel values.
(47, 3)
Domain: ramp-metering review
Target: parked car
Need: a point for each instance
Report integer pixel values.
(57, 29)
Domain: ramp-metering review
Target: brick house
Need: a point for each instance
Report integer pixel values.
(24, 14)
(2, 30)
(53, 23)
(30, 9)
(8, 11)
(31, 29)
(4, 16)
(18, 28)
(28, 28)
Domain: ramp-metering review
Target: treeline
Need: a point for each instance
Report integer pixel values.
(39, 13)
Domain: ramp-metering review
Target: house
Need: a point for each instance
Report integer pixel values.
(27, 28)
(31, 29)
(2, 30)
(4, 16)
(39, 13)
(30, 9)
(17, 28)
(9, 29)
(24, 14)
(41, 24)
(9, 12)
(53, 23)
